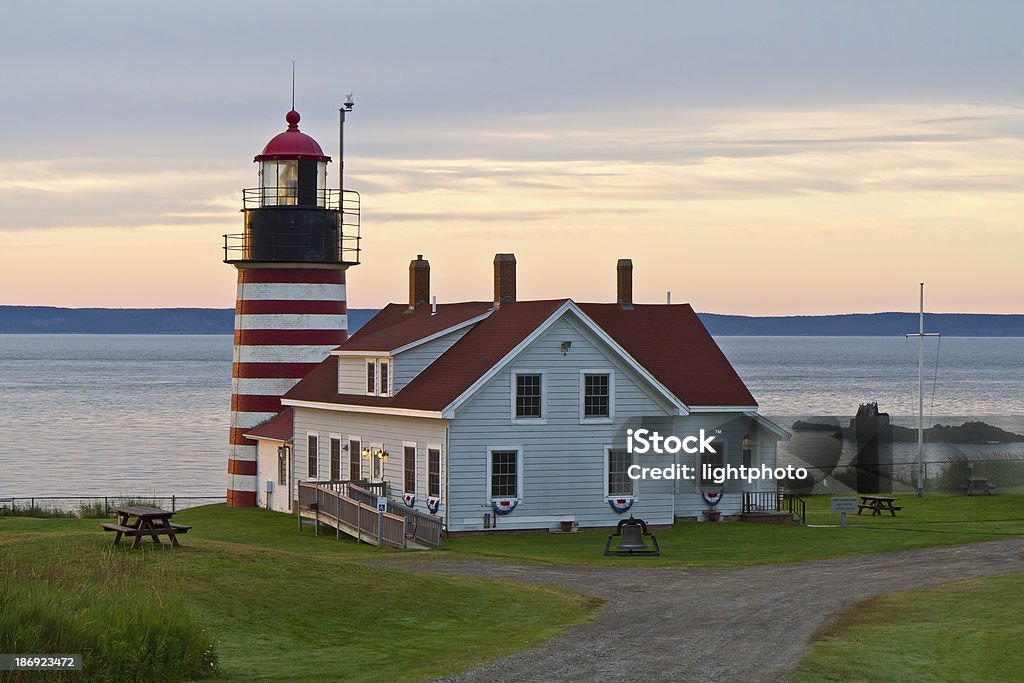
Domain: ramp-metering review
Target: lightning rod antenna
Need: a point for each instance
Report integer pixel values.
(293, 85)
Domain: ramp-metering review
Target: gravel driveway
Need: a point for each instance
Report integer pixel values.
(746, 624)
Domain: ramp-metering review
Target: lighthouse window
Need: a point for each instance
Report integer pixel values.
(288, 182)
(321, 183)
(280, 182)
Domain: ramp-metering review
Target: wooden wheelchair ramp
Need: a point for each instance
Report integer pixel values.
(349, 508)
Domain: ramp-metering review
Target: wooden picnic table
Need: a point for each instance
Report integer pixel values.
(878, 504)
(137, 521)
(977, 484)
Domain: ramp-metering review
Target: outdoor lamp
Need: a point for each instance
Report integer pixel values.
(747, 441)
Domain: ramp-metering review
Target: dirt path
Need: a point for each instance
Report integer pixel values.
(748, 624)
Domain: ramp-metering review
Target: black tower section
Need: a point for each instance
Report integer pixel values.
(874, 449)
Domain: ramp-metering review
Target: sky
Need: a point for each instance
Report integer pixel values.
(762, 158)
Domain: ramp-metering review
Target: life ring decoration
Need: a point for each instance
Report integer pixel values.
(505, 506)
(621, 504)
(433, 503)
(712, 496)
(410, 500)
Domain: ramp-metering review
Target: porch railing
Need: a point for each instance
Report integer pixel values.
(325, 503)
(775, 501)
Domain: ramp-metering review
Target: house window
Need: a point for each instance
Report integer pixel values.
(709, 461)
(378, 377)
(354, 454)
(504, 474)
(528, 395)
(619, 483)
(371, 377)
(410, 469)
(596, 389)
(312, 452)
(383, 366)
(434, 472)
(335, 459)
(282, 466)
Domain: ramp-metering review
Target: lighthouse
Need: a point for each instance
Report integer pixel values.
(300, 237)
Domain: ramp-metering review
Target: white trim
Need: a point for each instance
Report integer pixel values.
(265, 438)
(376, 364)
(417, 342)
(341, 443)
(376, 410)
(722, 409)
(450, 410)
(770, 426)
(604, 419)
(358, 455)
(415, 471)
(440, 469)
(542, 420)
(721, 453)
(315, 475)
(489, 450)
(608, 494)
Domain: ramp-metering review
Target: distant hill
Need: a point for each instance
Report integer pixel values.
(53, 320)
(866, 325)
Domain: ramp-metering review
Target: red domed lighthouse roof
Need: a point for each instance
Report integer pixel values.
(292, 144)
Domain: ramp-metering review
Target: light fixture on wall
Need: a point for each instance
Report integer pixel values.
(375, 452)
(565, 346)
(747, 441)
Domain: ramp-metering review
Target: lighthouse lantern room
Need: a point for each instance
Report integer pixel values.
(300, 237)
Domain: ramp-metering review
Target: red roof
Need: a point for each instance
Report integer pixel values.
(292, 144)
(395, 325)
(672, 343)
(281, 427)
(449, 376)
(669, 341)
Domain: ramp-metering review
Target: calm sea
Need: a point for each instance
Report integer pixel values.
(148, 414)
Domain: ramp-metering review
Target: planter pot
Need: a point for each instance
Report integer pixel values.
(713, 515)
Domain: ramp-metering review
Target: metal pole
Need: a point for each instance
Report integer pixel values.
(920, 400)
(341, 157)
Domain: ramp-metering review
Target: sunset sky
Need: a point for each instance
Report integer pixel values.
(761, 158)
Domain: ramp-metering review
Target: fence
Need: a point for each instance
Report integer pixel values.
(940, 476)
(330, 504)
(95, 506)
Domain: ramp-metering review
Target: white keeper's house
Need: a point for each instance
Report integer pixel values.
(512, 414)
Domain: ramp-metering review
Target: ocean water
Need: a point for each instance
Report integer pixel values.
(148, 414)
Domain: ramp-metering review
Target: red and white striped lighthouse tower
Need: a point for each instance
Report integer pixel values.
(300, 237)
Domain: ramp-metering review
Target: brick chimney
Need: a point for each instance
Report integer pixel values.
(624, 289)
(419, 282)
(504, 279)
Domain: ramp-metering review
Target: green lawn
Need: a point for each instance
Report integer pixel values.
(288, 606)
(964, 631)
(935, 520)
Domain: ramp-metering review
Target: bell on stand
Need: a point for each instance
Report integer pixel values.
(631, 533)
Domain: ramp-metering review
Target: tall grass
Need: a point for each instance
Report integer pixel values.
(113, 613)
(97, 508)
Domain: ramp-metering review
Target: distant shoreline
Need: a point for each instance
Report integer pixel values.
(185, 321)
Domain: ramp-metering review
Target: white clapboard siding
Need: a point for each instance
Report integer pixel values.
(352, 375)
(563, 461)
(386, 431)
(408, 364)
